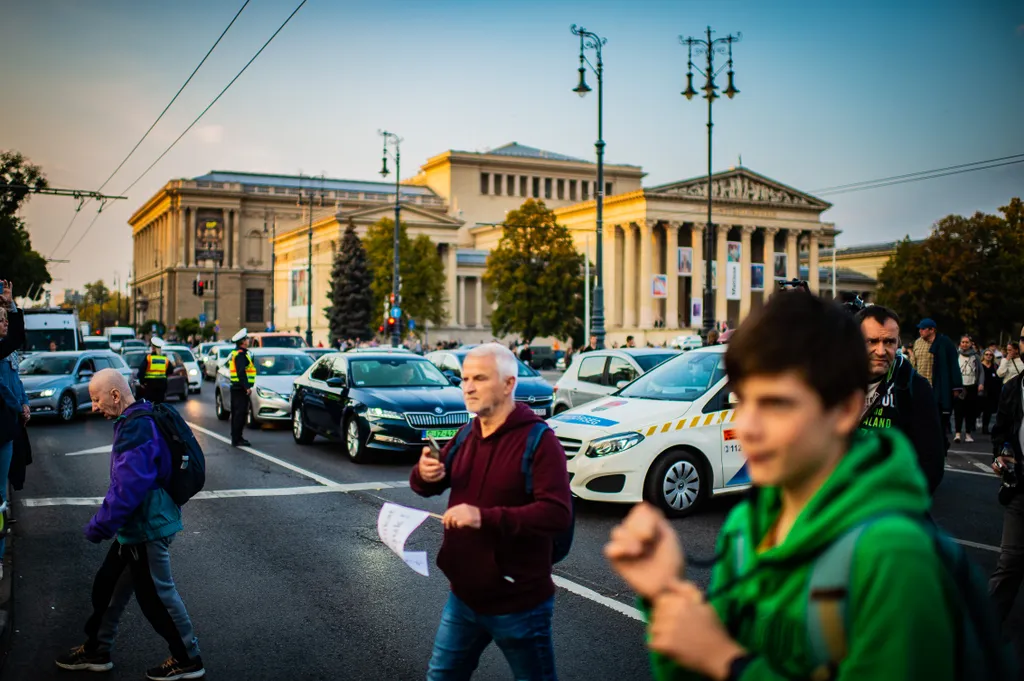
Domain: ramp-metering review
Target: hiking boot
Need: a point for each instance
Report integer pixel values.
(968, 438)
(171, 669)
(79, 659)
(956, 438)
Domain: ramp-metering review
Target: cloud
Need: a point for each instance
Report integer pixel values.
(210, 134)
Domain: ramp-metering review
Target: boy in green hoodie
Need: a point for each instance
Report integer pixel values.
(816, 477)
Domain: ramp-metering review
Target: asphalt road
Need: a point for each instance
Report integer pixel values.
(286, 578)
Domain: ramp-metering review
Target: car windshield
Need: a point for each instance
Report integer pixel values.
(394, 372)
(95, 343)
(224, 352)
(526, 372)
(135, 359)
(47, 365)
(282, 342)
(184, 355)
(685, 378)
(118, 337)
(648, 362)
(38, 340)
(282, 365)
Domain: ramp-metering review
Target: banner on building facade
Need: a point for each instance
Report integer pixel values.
(757, 277)
(659, 286)
(733, 251)
(696, 311)
(209, 235)
(732, 281)
(780, 265)
(685, 264)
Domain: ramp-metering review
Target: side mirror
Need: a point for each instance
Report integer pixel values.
(455, 380)
(84, 375)
(733, 399)
(335, 382)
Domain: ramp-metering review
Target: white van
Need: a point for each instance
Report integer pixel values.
(116, 334)
(45, 325)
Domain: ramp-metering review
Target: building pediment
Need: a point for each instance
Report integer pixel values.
(740, 185)
(411, 214)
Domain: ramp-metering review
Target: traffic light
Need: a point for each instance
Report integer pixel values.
(197, 287)
(391, 324)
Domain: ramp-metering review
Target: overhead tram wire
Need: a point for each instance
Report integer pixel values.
(193, 123)
(146, 134)
(922, 175)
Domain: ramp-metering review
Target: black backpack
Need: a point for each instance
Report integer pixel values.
(560, 543)
(188, 474)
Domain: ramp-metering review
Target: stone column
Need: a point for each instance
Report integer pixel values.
(745, 261)
(646, 302)
(629, 276)
(462, 301)
(769, 259)
(792, 254)
(721, 257)
(813, 275)
(226, 241)
(479, 302)
(697, 278)
(452, 284)
(182, 237)
(610, 285)
(190, 242)
(236, 240)
(672, 270)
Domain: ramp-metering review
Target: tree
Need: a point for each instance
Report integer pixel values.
(351, 311)
(19, 263)
(423, 292)
(102, 308)
(187, 326)
(535, 276)
(964, 275)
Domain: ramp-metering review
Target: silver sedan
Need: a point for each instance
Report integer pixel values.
(270, 399)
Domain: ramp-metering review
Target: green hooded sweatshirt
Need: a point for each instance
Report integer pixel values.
(901, 622)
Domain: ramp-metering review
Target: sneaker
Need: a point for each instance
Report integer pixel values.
(172, 669)
(956, 438)
(80, 659)
(968, 438)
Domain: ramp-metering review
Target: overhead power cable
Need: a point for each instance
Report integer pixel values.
(146, 134)
(922, 175)
(199, 117)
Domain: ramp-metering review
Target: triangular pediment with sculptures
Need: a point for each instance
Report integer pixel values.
(740, 186)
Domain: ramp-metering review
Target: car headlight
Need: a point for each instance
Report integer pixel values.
(613, 444)
(193, 372)
(378, 413)
(268, 394)
(47, 393)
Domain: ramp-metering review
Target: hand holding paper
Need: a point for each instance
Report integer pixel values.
(394, 525)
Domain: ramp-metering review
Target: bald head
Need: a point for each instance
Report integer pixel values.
(110, 393)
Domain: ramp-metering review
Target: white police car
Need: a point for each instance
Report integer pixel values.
(665, 438)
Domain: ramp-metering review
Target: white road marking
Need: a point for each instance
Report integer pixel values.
(62, 501)
(960, 470)
(985, 468)
(590, 594)
(976, 545)
(102, 449)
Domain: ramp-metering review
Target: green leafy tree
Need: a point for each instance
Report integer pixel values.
(351, 310)
(964, 275)
(187, 326)
(19, 263)
(102, 308)
(423, 292)
(535, 276)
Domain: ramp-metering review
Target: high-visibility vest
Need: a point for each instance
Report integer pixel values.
(250, 369)
(156, 367)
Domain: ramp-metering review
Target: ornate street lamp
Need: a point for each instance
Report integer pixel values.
(396, 301)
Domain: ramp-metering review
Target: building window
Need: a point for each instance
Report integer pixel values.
(607, 188)
(585, 189)
(561, 189)
(496, 189)
(547, 187)
(536, 187)
(510, 185)
(254, 305)
(297, 288)
(522, 185)
(485, 183)
(572, 190)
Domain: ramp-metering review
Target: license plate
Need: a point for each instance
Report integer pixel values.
(446, 434)
(540, 412)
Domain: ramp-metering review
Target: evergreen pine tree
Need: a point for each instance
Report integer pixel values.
(351, 306)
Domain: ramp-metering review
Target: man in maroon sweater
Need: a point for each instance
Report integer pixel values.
(498, 539)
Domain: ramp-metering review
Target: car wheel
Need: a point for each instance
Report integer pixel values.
(678, 483)
(218, 406)
(559, 408)
(67, 408)
(302, 434)
(184, 394)
(355, 448)
(250, 418)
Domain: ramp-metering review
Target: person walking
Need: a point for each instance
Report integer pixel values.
(14, 408)
(155, 371)
(965, 407)
(139, 514)
(935, 358)
(993, 388)
(1012, 365)
(242, 372)
(498, 537)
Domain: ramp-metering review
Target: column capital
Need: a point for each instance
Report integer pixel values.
(698, 227)
(770, 232)
(748, 229)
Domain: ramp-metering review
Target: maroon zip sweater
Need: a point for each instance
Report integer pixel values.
(505, 566)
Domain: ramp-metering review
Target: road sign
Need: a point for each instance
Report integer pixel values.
(202, 318)
(412, 324)
(216, 329)
(202, 323)
(396, 311)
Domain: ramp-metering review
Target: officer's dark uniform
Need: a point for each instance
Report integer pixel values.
(155, 371)
(243, 375)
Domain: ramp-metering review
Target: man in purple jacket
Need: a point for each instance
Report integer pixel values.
(144, 519)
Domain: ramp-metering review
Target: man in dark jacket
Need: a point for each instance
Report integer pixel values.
(242, 372)
(139, 511)
(940, 367)
(898, 396)
(497, 547)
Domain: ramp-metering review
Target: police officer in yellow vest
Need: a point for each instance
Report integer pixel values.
(154, 371)
(243, 375)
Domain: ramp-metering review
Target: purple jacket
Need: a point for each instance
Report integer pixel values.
(137, 508)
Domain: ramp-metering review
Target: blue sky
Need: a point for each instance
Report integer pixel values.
(831, 93)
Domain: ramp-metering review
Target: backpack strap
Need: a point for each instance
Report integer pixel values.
(460, 437)
(532, 441)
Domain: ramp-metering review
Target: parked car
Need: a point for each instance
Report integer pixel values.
(131, 344)
(317, 353)
(544, 357)
(95, 343)
(191, 364)
(276, 339)
(686, 342)
(117, 335)
(601, 372)
(376, 403)
(57, 383)
(212, 359)
(270, 399)
(177, 381)
(665, 438)
(531, 388)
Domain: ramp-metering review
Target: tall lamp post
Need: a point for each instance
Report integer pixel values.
(590, 40)
(273, 265)
(708, 47)
(309, 266)
(395, 141)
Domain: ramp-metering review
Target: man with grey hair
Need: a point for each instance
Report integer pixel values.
(500, 525)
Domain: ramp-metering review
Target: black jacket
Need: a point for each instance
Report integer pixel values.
(904, 400)
(10, 410)
(1007, 427)
(242, 360)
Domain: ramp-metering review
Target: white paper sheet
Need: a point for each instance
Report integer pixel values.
(394, 525)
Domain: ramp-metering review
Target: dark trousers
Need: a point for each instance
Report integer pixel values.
(965, 409)
(144, 569)
(1009, 573)
(989, 406)
(154, 390)
(239, 412)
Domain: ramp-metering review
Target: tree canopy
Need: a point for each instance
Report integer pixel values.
(535, 276)
(19, 263)
(964, 275)
(350, 314)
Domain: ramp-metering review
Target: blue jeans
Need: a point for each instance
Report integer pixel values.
(523, 637)
(6, 452)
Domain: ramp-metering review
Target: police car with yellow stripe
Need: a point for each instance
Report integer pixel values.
(665, 438)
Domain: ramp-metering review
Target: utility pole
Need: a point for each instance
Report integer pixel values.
(396, 299)
(273, 266)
